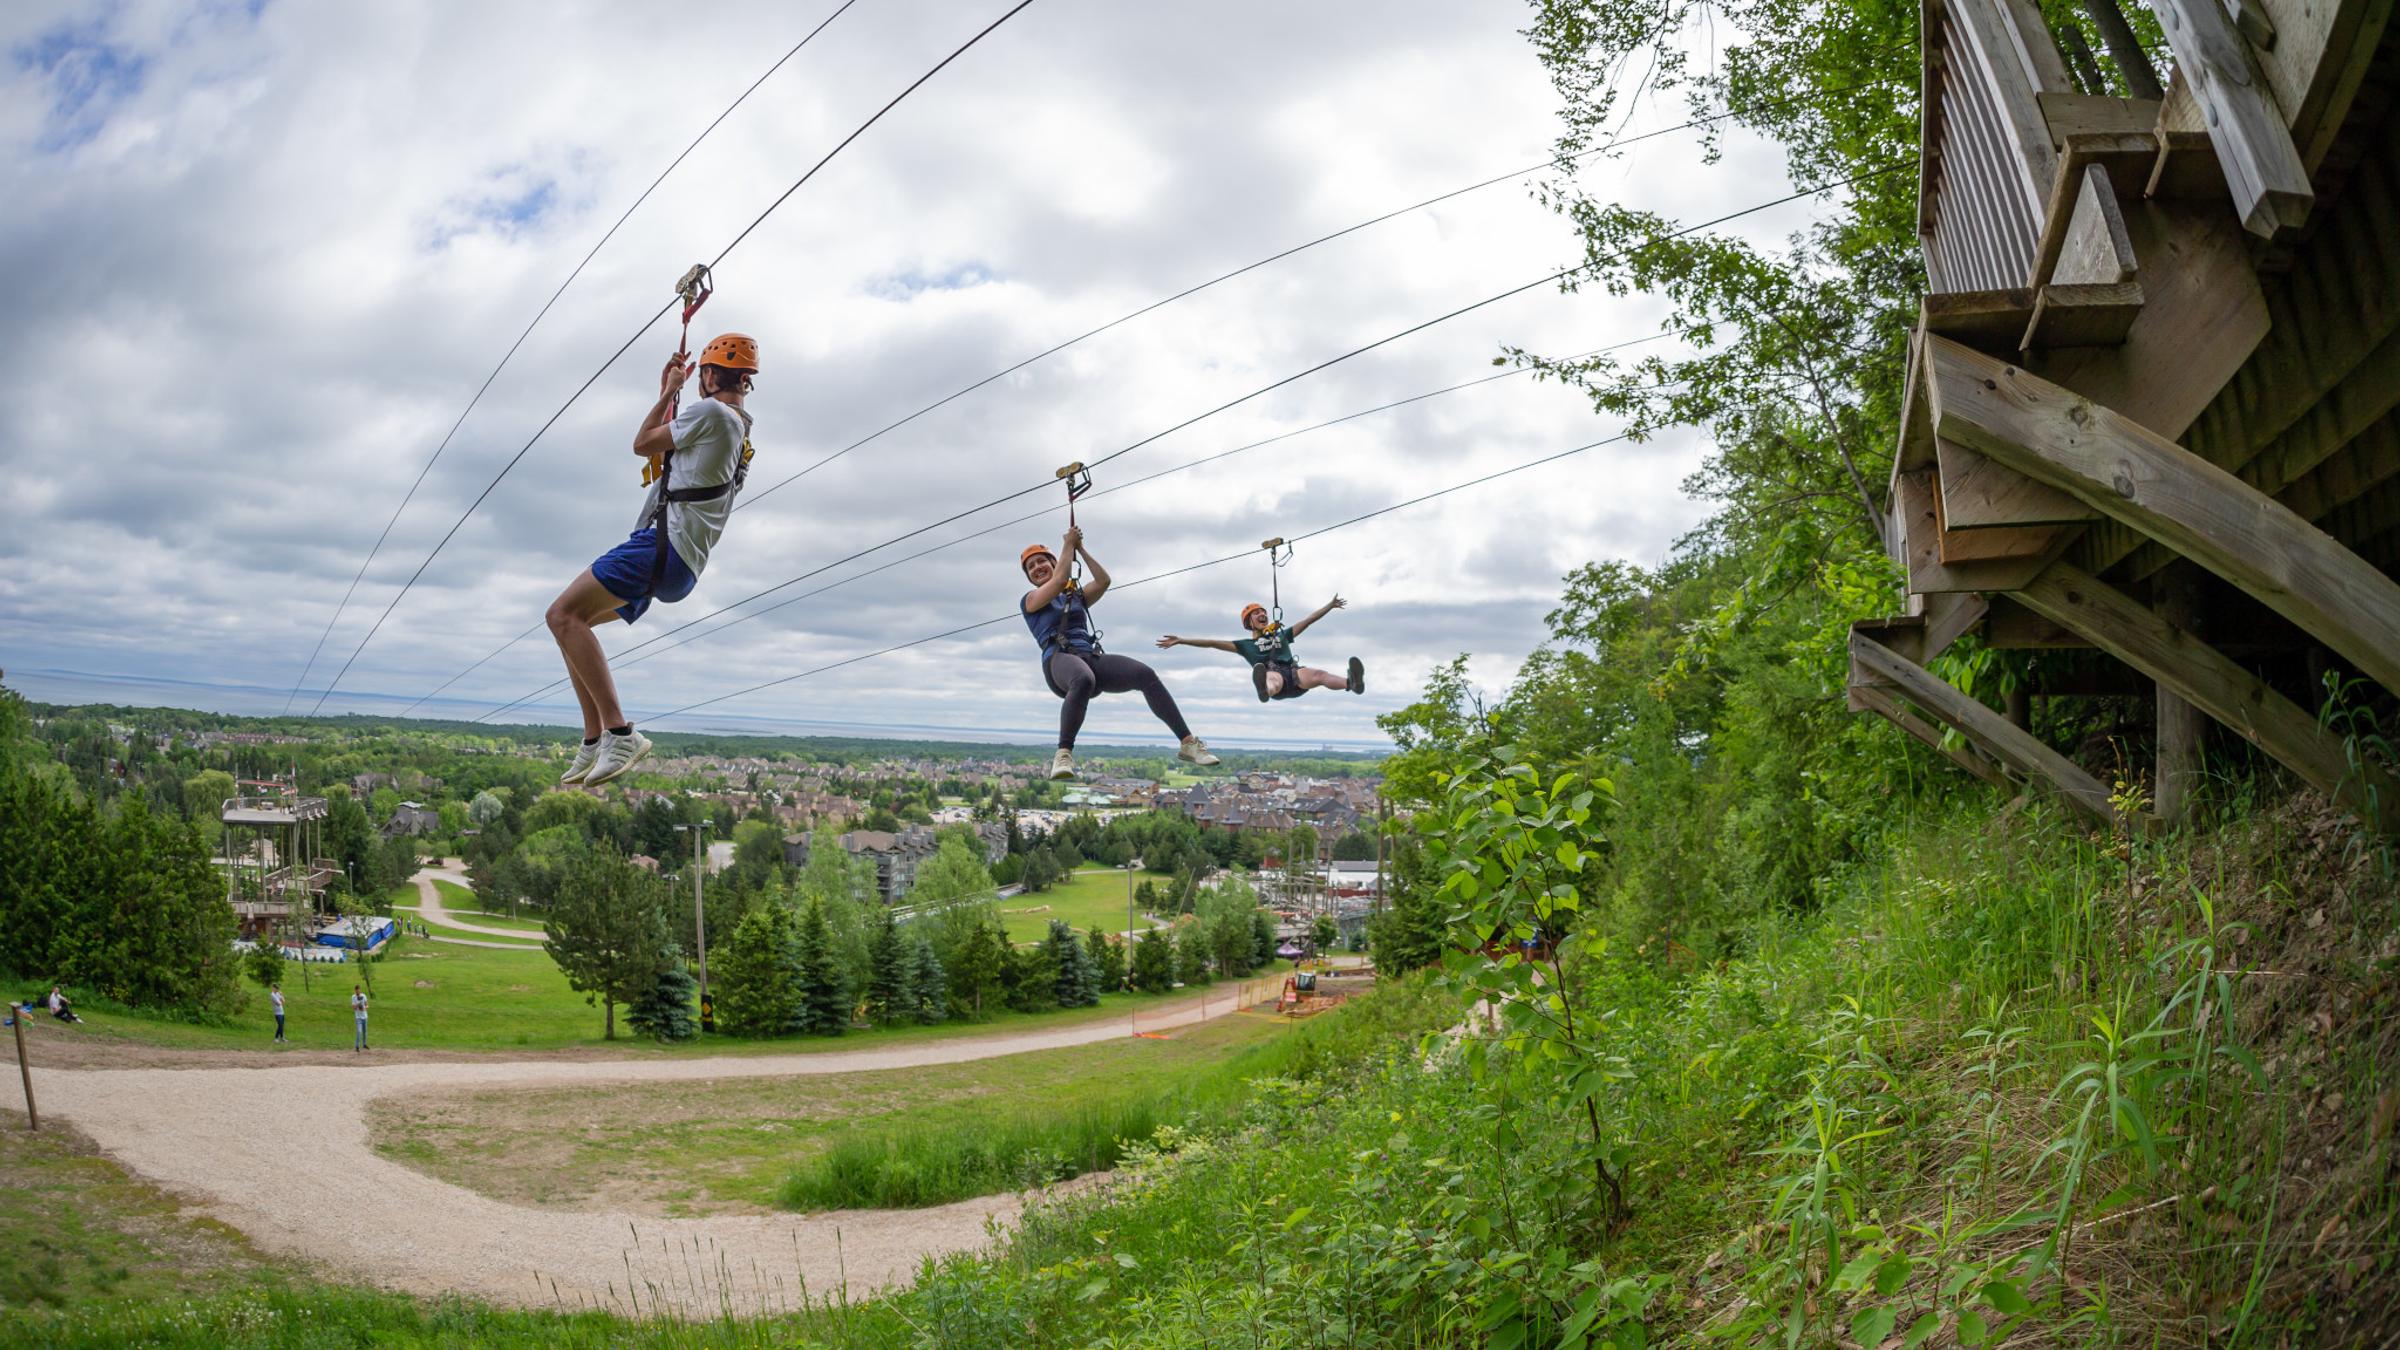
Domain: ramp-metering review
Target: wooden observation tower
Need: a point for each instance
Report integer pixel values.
(2153, 399)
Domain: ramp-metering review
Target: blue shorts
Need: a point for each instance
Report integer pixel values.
(625, 571)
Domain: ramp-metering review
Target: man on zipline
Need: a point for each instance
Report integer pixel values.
(1059, 613)
(1273, 671)
(703, 449)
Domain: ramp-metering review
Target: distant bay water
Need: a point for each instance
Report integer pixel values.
(50, 685)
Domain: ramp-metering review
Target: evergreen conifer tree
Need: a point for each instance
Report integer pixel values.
(1153, 962)
(757, 986)
(889, 1000)
(1108, 959)
(824, 985)
(1192, 954)
(978, 973)
(665, 1010)
(1075, 982)
(928, 987)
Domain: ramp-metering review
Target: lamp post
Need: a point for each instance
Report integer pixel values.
(699, 832)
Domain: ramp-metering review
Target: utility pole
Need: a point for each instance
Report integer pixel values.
(699, 832)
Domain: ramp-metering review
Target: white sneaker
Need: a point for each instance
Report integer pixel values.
(585, 757)
(1062, 765)
(617, 755)
(1195, 751)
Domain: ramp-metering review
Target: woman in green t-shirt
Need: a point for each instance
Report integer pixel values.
(1274, 673)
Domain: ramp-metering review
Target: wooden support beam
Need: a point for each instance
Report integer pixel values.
(2167, 492)
(2320, 57)
(1988, 730)
(1878, 699)
(2270, 187)
(2193, 672)
(1949, 618)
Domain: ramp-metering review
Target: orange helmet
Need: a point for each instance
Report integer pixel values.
(1033, 551)
(734, 351)
(1252, 608)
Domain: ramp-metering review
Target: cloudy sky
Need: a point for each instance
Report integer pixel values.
(265, 254)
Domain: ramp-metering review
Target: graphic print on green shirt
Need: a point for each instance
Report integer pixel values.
(1273, 647)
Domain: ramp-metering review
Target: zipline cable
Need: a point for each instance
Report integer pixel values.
(1289, 379)
(1245, 554)
(1189, 291)
(635, 655)
(647, 325)
(510, 354)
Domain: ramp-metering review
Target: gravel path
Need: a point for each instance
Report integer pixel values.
(281, 1154)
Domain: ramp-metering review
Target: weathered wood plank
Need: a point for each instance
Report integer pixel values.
(1874, 698)
(2198, 674)
(1921, 534)
(1973, 546)
(1988, 320)
(1978, 494)
(2167, 492)
(2262, 167)
(1990, 732)
(2082, 316)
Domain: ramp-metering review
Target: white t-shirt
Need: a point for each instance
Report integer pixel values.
(358, 1005)
(708, 448)
(278, 997)
(55, 1000)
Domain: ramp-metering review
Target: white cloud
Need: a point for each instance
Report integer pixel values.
(275, 253)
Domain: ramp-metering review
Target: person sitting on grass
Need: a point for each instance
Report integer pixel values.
(1274, 673)
(705, 452)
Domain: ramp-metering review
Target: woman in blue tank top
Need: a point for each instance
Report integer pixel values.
(1058, 612)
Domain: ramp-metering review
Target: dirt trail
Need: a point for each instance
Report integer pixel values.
(281, 1153)
(431, 909)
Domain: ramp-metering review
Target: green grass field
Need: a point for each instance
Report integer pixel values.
(1094, 895)
(687, 1148)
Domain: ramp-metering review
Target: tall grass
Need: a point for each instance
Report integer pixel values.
(1013, 1145)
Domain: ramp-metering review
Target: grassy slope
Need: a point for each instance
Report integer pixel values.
(1093, 896)
(442, 996)
(1980, 1066)
(685, 1148)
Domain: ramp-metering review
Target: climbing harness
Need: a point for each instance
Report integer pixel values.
(1278, 553)
(695, 288)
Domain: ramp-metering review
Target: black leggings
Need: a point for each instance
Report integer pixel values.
(1076, 678)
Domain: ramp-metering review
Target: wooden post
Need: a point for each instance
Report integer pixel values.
(2270, 186)
(16, 1021)
(2132, 62)
(2174, 496)
(2182, 728)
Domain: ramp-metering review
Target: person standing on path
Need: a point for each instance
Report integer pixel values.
(358, 1011)
(275, 992)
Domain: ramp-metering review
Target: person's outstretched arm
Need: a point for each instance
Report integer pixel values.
(1043, 594)
(1097, 584)
(1328, 607)
(655, 438)
(1213, 644)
